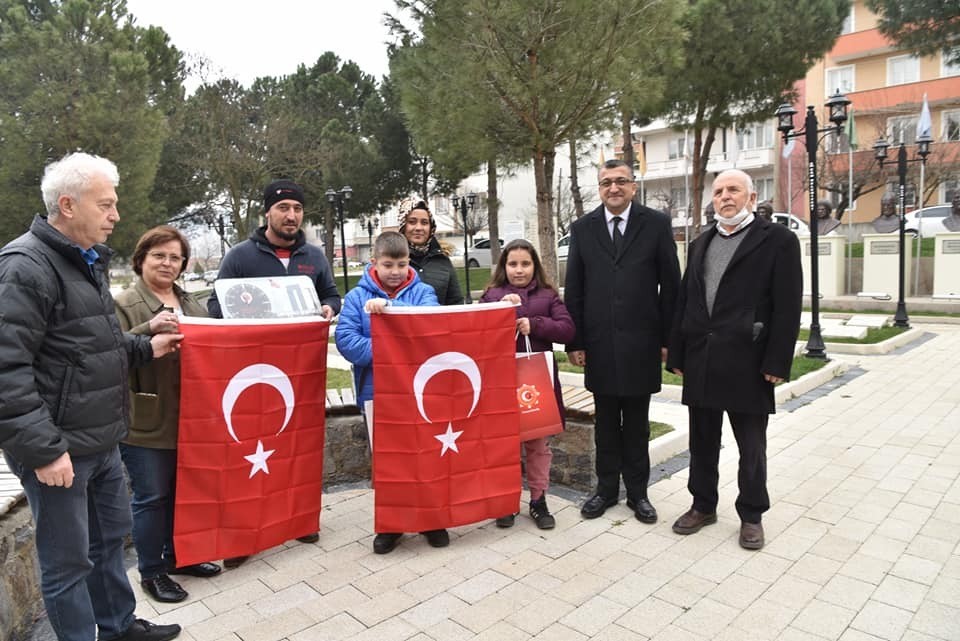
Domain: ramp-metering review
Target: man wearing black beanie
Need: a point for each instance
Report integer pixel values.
(280, 248)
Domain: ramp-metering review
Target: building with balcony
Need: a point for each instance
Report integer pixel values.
(886, 86)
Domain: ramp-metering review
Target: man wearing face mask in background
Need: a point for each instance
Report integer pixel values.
(732, 340)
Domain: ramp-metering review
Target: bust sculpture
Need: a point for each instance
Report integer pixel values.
(952, 222)
(765, 210)
(825, 224)
(888, 220)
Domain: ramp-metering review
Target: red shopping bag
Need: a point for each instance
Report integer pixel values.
(539, 414)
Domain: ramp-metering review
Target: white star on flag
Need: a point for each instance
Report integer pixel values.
(449, 439)
(259, 460)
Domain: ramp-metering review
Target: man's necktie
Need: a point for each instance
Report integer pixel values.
(617, 235)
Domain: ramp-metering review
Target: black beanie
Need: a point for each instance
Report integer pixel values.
(281, 190)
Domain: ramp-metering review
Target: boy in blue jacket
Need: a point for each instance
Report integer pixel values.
(388, 280)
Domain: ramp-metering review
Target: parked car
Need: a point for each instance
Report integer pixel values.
(563, 246)
(932, 220)
(192, 276)
(479, 254)
(209, 277)
(796, 224)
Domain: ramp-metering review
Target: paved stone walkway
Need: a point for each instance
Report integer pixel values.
(863, 542)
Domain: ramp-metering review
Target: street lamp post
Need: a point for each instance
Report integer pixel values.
(900, 319)
(837, 104)
(372, 223)
(462, 202)
(339, 200)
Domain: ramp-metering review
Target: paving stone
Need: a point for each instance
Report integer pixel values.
(882, 620)
(823, 619)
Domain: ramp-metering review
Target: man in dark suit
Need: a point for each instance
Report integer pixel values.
(621, 286)
(733, 339)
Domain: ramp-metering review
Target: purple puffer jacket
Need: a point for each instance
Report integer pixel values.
(550, 322)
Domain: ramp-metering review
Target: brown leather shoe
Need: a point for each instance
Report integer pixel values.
(691, 521)
(751, 536)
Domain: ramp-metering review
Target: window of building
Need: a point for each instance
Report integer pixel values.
(951, 126)
(902, 69)
(948, 68)
(675, 148)
(678, 199)
(764, 187)
(848, 24)
(902, 129)
(758, 135)
(835, 143)
(951, 187)
(840, 79)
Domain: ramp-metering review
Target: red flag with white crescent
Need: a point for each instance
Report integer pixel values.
(446, 430)
(250, 446)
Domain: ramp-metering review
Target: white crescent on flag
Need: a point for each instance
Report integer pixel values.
(444, 362)
(259, 373)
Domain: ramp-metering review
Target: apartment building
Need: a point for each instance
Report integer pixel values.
(886, 86)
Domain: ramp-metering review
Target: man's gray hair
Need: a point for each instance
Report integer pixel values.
(748, 181)
(70, 176)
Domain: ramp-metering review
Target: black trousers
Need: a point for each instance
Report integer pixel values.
(750, 431)
(622, 434)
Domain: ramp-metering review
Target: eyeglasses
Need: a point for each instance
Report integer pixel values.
(162, 258)
(606, 183)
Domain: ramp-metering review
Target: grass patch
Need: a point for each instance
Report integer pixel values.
(874, 335)
(801, 365)
(659, 429)
(339, 378)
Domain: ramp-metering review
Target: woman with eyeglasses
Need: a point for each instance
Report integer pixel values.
(151, 306)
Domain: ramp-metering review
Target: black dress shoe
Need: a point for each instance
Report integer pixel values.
(596, 505)
(145, 631)
(645, 512)
(437, 538)
(202, 570)
(309, 538)
(384, 542)
(234, 562)
(164, 589)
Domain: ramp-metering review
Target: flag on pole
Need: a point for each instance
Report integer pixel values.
(642, 157)
(788, 148)
(924, 124)
(446, 429)
(250, 446)
(851, 131)
(602, 159)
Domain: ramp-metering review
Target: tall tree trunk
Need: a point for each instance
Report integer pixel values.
(543, 165)
(575, 180)
(424, 180)
(493, 209)
(701, 156)
(625, 131)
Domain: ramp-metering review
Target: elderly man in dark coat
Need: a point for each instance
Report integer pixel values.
(733, 338)
(621, 286)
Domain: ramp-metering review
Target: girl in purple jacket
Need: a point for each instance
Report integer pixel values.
(542, 316)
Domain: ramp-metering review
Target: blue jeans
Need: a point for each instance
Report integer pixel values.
(153, 474)
(79, 534)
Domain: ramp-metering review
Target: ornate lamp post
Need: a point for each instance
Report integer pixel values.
(339, 200)
(837, 104)
(462, 202)
(900, 319)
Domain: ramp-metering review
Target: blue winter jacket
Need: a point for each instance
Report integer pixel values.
(353, 327)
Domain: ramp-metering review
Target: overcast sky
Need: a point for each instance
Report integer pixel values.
(248, 40)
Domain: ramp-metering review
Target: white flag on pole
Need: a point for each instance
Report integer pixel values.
(788, 148)
(925, 124)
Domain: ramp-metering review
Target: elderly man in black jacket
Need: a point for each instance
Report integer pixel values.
(64, 404)
(733, 338)
(622, 280)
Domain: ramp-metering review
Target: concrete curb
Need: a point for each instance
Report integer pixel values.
(883, 347)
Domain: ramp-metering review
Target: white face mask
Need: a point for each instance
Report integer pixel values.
(736, 219)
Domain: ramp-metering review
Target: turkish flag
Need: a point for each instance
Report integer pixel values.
(250, 448)
(446, 431)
